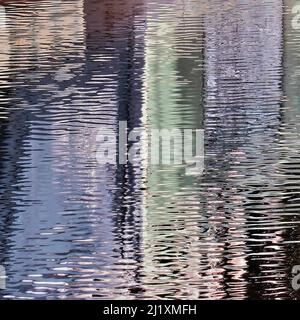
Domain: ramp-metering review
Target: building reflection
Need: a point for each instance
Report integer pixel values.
(116, 30)
(243, 103)
(71, 227)
(173, 82)
(70, 72)
(208, 237)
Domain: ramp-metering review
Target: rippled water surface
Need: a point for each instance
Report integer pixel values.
(71, 227)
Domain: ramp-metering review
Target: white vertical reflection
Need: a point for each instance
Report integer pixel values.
(243, 56)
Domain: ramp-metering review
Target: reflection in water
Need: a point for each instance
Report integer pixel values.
(243, 91)
(72, 228)
(174, 79)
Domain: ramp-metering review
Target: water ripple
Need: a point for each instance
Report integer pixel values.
(71, 228)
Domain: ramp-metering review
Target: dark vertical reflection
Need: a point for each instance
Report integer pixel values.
(119, 28)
